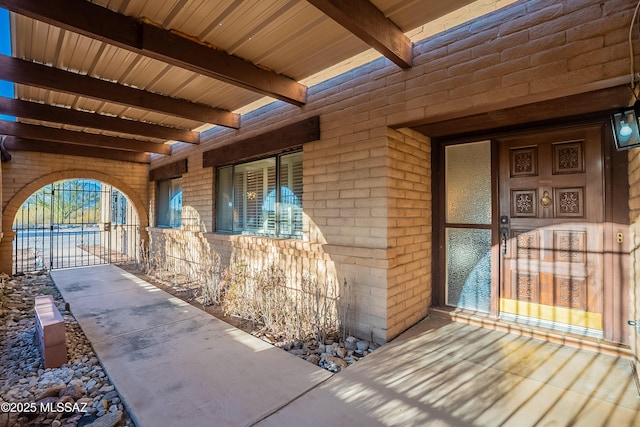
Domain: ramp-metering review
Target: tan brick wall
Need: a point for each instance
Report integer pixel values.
(197, 190)
(634, 289)
(367, 193)
(180, 256)
(27, 172)
(409, 230)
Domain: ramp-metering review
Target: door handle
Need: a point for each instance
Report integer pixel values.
(504, 236)
(504, 233)
(546, 200)
(635, 323)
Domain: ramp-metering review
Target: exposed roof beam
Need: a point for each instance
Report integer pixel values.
(53, 114)
(283, 138)
(173, 49)
(100, 23)
(512, 115)
(45, 133)
(369, 23)
(33, 74)
(25, 144)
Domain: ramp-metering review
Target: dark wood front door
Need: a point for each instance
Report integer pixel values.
(552, 229)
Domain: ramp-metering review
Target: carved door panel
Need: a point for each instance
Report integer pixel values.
(551, 215)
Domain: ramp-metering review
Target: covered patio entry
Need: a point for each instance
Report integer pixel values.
(75, 223)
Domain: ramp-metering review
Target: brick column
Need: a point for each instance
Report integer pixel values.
(6, 252)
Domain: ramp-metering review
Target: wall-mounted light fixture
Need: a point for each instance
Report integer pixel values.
(624, 124)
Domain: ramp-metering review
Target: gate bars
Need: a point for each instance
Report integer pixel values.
(75, 223)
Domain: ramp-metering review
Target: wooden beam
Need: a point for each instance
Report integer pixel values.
(45, 133)
(42, 76)
(553, 109)
(176, 50)
(172, 170)
(289, 136)
(53, 114)
(97, 22)
(26, 144)
(366, 21)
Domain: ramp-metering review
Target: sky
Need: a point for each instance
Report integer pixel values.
(6, 88)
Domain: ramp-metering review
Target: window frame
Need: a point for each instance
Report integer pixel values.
(172, 215)
(295, 231)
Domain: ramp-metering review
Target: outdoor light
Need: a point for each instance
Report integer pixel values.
(624, 124)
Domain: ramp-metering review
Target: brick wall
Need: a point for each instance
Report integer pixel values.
(409, 230)
(367, 194)
(27, 172)
(634, 289)
(197, 190)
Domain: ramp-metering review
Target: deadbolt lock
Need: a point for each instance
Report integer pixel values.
(620, 237)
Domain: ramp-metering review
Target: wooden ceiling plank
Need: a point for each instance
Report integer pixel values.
(110, 27)
(46, 133)
(53, 114)
(26, 144)
(367, 22)
(33, 74)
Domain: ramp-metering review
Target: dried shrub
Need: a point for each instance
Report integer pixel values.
(190, 267)
(283, 308)
(265, 298)
(211, 290)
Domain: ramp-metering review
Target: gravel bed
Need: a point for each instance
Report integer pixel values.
(78, 393)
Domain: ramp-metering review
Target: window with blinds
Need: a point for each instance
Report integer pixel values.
(262, 197)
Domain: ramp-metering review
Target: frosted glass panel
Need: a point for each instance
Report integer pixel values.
(469, 268)
(468, 183)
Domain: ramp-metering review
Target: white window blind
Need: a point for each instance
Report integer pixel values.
(263, 197)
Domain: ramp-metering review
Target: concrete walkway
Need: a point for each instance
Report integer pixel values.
(175, 365)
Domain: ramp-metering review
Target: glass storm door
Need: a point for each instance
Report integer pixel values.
(551, 230)
(468, 224)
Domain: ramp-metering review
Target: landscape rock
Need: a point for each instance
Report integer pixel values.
(350, 343)
(314, 358)
(50, 392)
(332, 363)
(25, 380)
(110, 419)
(73, 390)
(362, 346)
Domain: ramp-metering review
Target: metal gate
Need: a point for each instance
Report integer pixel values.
(75, 223)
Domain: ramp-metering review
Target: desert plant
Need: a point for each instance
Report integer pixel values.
(211, 289)
(265, 297)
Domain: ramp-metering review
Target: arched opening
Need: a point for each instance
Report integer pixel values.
(75, 223)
